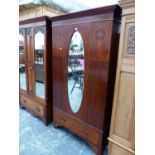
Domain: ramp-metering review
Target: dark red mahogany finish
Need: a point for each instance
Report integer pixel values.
(99, 29)
(39, 107)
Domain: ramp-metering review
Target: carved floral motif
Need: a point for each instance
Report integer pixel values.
(131, 40)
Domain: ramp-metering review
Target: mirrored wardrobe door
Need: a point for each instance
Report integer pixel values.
(22, 69)
(76, 71)
(39, 61)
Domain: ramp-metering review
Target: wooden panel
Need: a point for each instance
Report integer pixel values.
(29, 47)
(83, 20)
(116, 150)
(125, 106)
(95, 92)
(100, 40)
(86, 16)
(60, 45)
(29, 60)
(58, 81)
(32, 105)
(30, 80)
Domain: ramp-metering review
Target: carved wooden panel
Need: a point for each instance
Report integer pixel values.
(129, 40)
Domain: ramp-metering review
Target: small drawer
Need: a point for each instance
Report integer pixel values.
(32, 105)
(78, 127)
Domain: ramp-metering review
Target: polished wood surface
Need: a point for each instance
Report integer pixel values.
(29, 60)
(122, 129)
(38, 106)
(43, 19)
(32, 105)
(99, 29)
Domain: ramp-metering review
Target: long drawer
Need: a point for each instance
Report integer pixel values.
(32, 105)
(77, 127)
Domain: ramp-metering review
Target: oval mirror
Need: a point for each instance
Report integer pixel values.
(75, 71)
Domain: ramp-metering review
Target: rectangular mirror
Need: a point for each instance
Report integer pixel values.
(22, 71)
(39, 62)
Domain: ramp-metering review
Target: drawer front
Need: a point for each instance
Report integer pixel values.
(77, 127)
(32, 105)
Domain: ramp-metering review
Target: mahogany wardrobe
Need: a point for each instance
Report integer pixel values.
(34, 62)
(84, 58)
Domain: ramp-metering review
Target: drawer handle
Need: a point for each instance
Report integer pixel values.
(37, 109)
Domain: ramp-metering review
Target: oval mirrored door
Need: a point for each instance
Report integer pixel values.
(39, 63)
(76, 71)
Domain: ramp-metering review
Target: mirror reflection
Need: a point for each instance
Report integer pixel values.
(39, 64)
(22, 74)
(76, 71)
